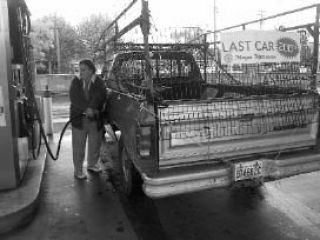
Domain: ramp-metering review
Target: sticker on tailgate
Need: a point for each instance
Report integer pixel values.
(248, 170)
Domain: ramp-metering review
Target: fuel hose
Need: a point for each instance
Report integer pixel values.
(42, 132)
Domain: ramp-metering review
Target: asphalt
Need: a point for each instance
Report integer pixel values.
(19, 207)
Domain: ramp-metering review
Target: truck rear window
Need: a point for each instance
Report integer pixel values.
(161, 68)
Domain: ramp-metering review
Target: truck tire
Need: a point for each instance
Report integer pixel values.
(126, 179)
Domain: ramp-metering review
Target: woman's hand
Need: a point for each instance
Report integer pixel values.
(90, 113)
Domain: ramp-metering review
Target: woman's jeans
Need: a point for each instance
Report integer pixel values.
(79, 138)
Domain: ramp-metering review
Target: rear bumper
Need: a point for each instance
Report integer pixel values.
(173, 182)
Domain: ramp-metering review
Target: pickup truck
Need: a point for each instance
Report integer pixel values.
(190, 134)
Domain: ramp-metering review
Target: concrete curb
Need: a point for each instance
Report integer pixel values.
(17, 206)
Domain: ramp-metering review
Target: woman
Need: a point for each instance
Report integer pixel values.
(87, 97)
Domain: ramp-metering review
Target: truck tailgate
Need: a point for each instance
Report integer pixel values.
(191, 131)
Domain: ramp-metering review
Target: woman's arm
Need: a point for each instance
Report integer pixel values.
(76, 95)
(99, 96)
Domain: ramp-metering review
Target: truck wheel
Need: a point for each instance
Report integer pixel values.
(126, 172)
(126, 178)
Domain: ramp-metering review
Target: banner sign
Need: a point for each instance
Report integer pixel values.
(250, 47)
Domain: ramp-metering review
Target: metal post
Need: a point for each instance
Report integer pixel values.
(116, 33)
(214, 24)
(260, 14)
(205, 49)
(214, 30)
(145, 28)
(47, 112)
(316, 45)
(57, 44)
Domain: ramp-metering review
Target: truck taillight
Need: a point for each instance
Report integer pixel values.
(146, 142)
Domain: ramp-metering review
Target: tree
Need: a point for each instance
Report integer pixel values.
(45, 44)
(70, 46)
(185, 34)
(82, 41)
(90, 32)
(42, 39)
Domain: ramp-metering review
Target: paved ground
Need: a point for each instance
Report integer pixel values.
(284, 209)
(74, 210)
(287, 209)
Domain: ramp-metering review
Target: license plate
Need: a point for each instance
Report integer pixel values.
(248, 170)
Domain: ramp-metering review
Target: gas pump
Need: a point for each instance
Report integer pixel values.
(21, 127)
(17, 125)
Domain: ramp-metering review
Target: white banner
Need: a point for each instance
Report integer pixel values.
(249, 47)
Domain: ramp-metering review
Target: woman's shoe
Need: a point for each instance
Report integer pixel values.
(80, 175)
(96, 169)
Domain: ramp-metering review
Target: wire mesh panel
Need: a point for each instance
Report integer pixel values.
(175, 74)
(193, 131)
(241, 108)
(262, 79)
(237, 117)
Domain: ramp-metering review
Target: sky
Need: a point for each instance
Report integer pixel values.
(174, 13)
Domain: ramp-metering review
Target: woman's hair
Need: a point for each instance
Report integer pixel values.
(89, 64)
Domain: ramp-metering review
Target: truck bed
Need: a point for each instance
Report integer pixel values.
(192, 131)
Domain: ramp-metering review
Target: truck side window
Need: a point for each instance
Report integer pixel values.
(125, 71)
(186, 68)
(165, 68)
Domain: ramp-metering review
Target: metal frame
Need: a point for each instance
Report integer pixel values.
(143, 20)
